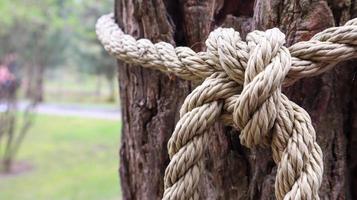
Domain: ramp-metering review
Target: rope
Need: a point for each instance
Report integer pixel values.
(241, 86)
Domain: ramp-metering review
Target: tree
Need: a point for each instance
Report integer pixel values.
(61, 34)
(38, 46)
(12, 132)
(151, 100)
(86, 48)
(36, 37)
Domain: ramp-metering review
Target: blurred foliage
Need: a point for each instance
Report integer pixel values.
(52, 33)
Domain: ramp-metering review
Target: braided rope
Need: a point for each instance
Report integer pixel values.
(241, 86)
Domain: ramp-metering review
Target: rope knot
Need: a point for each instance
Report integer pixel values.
(241, 86)
(257, 106)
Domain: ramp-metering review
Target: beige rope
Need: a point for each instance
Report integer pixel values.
(242, 87)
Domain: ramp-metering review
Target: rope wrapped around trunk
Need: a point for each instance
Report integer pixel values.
(241, 86)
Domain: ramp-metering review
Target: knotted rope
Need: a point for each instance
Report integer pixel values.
(241, 86)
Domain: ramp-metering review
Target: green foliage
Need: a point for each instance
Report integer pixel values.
(28, 31)
(69, 158)
(54, 33)
(86, 48)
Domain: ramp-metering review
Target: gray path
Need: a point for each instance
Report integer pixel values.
(73, 110)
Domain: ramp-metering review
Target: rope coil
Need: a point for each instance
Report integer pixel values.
(241, 86)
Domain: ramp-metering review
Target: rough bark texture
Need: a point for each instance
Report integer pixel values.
(151, 100)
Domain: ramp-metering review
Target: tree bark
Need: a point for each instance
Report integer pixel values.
(151, 100)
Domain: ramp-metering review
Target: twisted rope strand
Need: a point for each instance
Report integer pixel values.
(188, 141)
(309, 58)
(242, 87)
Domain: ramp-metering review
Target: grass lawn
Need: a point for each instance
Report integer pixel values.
(70, 159)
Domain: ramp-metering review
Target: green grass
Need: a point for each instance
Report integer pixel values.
(71, 158)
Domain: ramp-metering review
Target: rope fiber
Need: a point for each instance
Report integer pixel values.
(241, 85)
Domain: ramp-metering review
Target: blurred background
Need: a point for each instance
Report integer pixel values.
(59, 109)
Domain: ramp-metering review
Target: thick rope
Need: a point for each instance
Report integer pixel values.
(242, 87)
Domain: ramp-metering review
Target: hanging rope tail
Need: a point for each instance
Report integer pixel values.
(241, 86)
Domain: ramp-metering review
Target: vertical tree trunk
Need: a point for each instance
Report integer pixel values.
(34, 82)
(151, 100)
(38, 89)
(28, 79)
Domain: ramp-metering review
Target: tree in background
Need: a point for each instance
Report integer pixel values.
(36, 33)
(53, 33)
(12, 132)
(41, 36)
(33, 44)
(86, 49)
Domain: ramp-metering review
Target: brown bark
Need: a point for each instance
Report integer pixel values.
(34, 82)
(151, 100)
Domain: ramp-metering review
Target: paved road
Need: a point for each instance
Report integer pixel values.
(73, 110)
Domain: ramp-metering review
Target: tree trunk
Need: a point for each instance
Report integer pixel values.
(34, 82)
(151, 100)
(38, 89)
